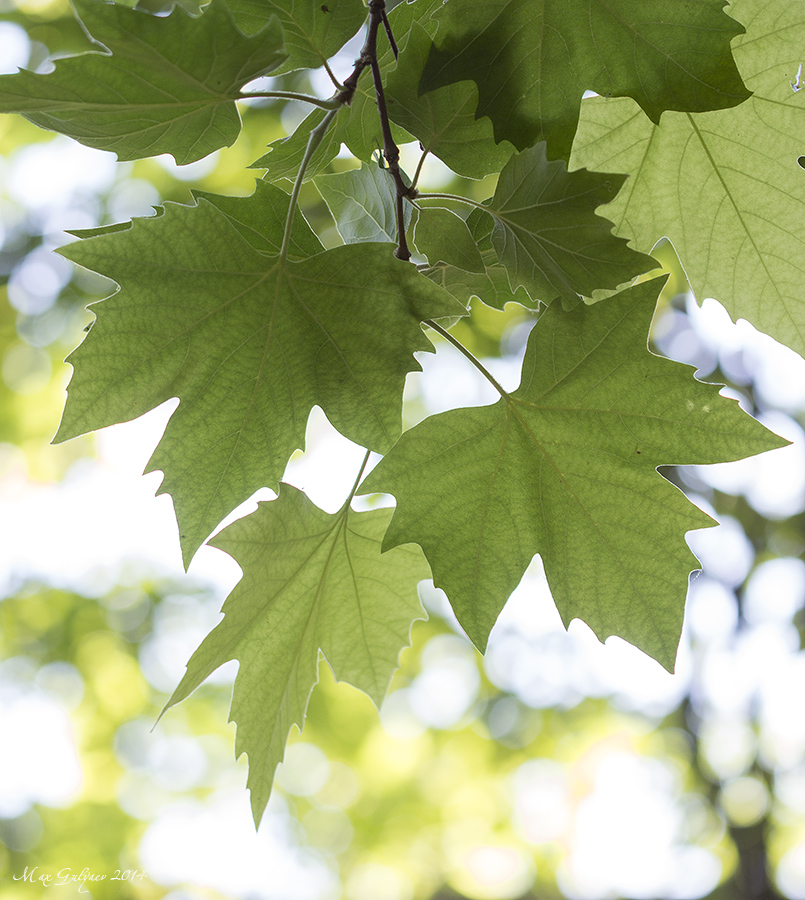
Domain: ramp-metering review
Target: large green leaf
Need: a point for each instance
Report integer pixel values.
(208, 312)
(566, 466)
(532, 62)
(443, 120)
(168, 86)
(725, 187)
(312, 583)
(314, 31)
(547, 235)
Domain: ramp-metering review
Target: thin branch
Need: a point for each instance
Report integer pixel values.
(333, 103)
(377, 10)
(476, 362)
(313, 141)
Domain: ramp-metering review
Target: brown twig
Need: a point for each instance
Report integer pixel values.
(391, 152)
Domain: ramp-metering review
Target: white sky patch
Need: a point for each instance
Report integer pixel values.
(38, 758)
(214, 845)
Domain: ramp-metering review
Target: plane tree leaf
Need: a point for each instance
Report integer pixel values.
(249, 342)
(357, 125)
(532, 62)
(491, 286)
(312, 583)
(314, 31)
(547, 235)
(363, 203)
(725, 187)
(167, 85)
(444, 237)
(566, 466)
(443, 120)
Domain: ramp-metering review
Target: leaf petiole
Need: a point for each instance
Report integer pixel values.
(313, 141)
(473, 359)
(332, 103)
(354, 489)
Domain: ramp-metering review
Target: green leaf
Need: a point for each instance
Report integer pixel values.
(532, 62)
(312, 583)
(168, 86)
(491, 286)
(314, 31)
(208, 312)
(725, 187)
(443, 120)
(566, 466)
(547, 235)
(357, 125)
(442, 236)
(363, 203)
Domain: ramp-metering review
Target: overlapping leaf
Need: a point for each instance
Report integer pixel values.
(444, 237)
(532, 62)
(314, 31)
(491, 286)
(547, 235)
(443, 120)
(566, 466)
(312, 583)
(208, 312)
(357, 125)
(168, 86)
(363, 203)
(725, 187)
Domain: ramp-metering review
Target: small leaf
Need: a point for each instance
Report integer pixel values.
(363, 203)
(208, 312)
(168, 86)
(532, 62)
(547, 235)
(566, 466)
(444, 237)
(311, 582)
(314, 31)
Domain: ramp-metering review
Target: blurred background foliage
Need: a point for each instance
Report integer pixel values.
(552, 768)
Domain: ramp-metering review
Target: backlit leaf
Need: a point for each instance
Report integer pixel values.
(209, 313)
(566, 466)
(168, 86)
(532, 62)
(312, 583)
(725, 187)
